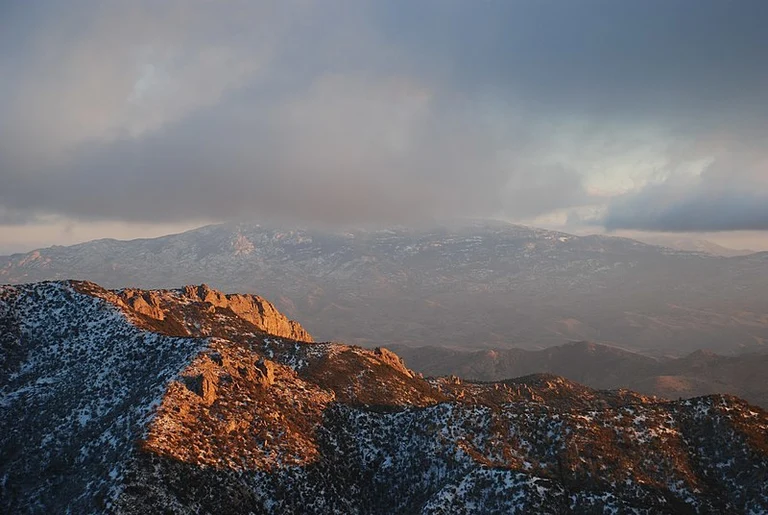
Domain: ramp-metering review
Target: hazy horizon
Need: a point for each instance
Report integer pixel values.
(76, 234)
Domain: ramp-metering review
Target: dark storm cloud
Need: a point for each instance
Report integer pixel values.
(382, 111)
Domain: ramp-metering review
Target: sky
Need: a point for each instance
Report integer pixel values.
(141, 118)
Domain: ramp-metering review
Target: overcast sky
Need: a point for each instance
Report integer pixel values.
(135, 118)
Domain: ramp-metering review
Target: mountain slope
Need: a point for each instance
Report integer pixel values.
(472, 285)
(80, 383)
(107, 409)
(602, 366)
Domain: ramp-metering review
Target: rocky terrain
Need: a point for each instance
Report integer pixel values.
(181, 310)
(602, 366)
(471, 285)
(184, 402)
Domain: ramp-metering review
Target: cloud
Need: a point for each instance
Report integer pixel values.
(682, 61)
(16, 217)
(313, 155)
(696, 211)
(165, 112)
(730, 194)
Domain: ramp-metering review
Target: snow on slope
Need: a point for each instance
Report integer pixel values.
(83, 383)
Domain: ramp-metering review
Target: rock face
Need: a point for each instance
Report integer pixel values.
(107, 409)
(146, 303)
(200, 311)
(256, 310)
(392, 359)
(265, 373)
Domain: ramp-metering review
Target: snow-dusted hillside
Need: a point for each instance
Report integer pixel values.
(183, 405)
(470, 285)
(80, 383)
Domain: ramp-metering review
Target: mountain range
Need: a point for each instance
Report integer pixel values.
(694, 245)
(477, 284)
(194, 401)
(602, 366)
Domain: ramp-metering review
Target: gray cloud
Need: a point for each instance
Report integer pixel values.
(731, 194)
(381, 111)
(697, 211)
(16, 217)
(313, 155)
(652, 58)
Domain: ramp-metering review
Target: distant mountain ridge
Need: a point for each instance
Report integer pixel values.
(694, 245)
(476, 284)
(194, 409)
(604, 367)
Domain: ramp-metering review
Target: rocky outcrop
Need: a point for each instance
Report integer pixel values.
(393, 360)
(204, 385)
(252, 308)
(202, 378)
(144, 302)
(209, 380)
(265, 373)
(199, 311)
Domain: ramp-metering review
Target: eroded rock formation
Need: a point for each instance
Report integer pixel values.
(200, 311)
